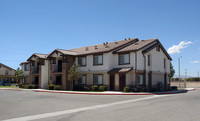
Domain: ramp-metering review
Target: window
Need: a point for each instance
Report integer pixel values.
(158, 48)
(98, 60)
(140, 79)
(164, 62)
(82, 61)
(6, 72)
(124, 59)
(82, 80)
(98, 79)
(26, 67)
(149, 60)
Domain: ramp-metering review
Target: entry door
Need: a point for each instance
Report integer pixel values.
(150, 81)
(122, 82)
(58, 80)
(112, 82)
(59, 65)
(36, 80)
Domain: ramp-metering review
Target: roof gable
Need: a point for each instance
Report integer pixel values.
(37, 56)
(6, 67)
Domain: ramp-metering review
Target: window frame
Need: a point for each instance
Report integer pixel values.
(119, 59)
(98, 75)
(164, 62)
(26, 69)
(81, 80)
(149, 60)
(6, 72)
(139, 75)
(85, 61)
(94, 59)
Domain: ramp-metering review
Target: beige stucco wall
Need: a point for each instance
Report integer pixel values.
(3, 69)
(26, 73)
(45, 74)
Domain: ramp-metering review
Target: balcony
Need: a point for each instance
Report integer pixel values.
(35, 69)
(56, 68)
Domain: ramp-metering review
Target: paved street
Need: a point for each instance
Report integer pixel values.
(38, 106)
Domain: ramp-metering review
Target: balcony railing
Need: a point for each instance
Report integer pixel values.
(56, 68)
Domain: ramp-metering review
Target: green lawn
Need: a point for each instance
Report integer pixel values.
(13, 87)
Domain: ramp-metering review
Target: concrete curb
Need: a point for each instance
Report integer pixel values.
(103, 93)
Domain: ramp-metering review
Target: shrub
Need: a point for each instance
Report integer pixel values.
(102, 88)
(24, 86)
(51, 87)
(94, 88)
(57, 87)
(86, 88)
(29, 86)
(140, 89)
(78, 88)
(34, 86)
(126, 89)
(20, 85)
(173, 87)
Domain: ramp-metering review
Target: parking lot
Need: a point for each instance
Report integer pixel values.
(28, 105)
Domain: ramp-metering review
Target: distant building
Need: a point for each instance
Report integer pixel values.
(7, 73)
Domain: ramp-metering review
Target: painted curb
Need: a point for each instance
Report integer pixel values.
(100, 93)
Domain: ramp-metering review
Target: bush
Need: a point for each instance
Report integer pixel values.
(20, 85)
(24, 86)
(78, 88)
(126, 89)
(140, 90)
(86, 88)
(173, 87)
(94, 88)
(35, 86)
(29, 86)
(57, 87)
(102, 88)
(51, 87)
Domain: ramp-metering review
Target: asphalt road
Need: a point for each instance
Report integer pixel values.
(40, 106)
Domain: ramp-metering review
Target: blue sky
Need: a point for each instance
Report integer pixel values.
(40, 26)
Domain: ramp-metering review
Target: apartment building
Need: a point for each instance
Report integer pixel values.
(39, 70)
(7, 73)
(117, 64)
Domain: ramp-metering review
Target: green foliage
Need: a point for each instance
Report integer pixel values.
(86, 88)
(51, 87)
(94, 88)
(74, 74)
(172, 71)
(19, 74)
(102, 88)
(126, 89)
(57, 87)
(29, 86)
(193, 79)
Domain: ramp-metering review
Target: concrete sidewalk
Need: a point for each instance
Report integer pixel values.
(104, 93)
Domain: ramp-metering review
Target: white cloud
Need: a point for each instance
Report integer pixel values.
(195, 62)
(176, 48)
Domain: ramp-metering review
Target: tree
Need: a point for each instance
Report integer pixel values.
(172, 71)
(74, 75)
(19, 74)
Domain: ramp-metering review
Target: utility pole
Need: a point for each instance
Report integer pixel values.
(179, 71)
(185, 78)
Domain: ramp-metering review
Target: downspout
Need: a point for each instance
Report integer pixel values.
(144, 69)
(135, 68)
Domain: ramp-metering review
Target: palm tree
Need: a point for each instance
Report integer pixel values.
(19, 75)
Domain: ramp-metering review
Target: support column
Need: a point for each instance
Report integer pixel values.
(51, 75)
(30, 76)
(64, 76)
(40, 76)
